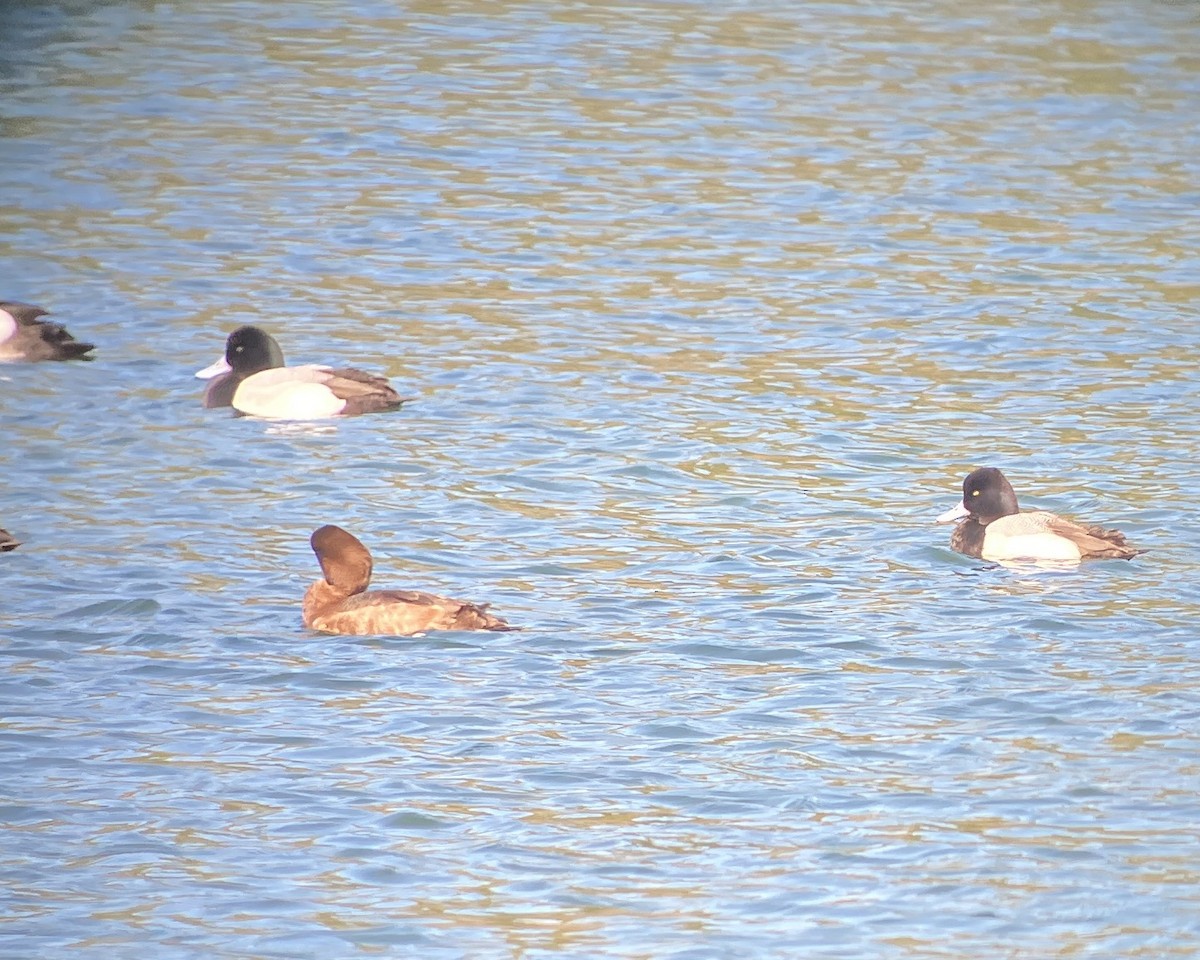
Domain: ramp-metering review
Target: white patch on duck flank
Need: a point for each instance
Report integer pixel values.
(8, 328)
(1023, 536)
(289, 393)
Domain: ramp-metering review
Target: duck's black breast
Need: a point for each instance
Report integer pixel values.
(968, 537)
(220, 391)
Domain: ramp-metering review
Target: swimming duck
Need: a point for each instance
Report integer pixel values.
(341, 604)
(993, 528)
(25, 337)
(252, 379)
(8, 541)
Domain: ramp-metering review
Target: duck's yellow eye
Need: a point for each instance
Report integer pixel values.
(974, 493)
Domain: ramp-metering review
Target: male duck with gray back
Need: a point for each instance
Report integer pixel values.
(26, 337)
(340, 603)
(251, 378)
(991, 527)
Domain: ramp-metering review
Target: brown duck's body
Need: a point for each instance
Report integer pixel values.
(8, 541)
(397, 613)
(32, 339)
(341, 603)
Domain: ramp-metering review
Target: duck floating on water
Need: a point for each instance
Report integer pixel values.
(251, 377)
(341, 603)
(992, 527)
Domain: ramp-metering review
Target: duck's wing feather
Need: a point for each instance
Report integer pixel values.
(26, 314)
(1093, 541)
(400, 613)
(363, 392)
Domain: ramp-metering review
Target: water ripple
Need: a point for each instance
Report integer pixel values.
(707, 311)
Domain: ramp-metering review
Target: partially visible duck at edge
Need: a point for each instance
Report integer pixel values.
(25, 337)
(8, 541)
(340, 603)
(251, 378)
(991, 527)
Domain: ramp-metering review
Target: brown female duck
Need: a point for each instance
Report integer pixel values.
(341, 603)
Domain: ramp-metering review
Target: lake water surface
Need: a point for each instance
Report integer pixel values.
(707, 308)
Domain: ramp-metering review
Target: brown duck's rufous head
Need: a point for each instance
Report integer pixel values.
(345, 562)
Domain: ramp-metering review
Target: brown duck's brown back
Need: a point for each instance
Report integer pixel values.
(397, 613)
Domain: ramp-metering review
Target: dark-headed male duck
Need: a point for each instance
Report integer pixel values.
(991, 526)
(252, 379)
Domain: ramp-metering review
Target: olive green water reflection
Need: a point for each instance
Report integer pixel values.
(709, 310)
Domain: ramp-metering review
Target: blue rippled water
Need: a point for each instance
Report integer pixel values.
(707, 313)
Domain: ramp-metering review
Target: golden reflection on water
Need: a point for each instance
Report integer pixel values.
(708, 311)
